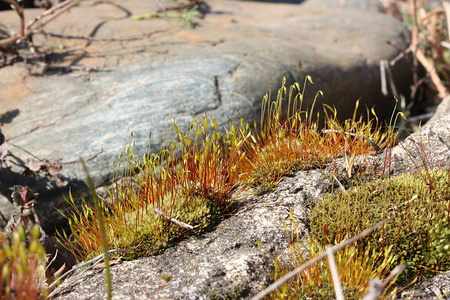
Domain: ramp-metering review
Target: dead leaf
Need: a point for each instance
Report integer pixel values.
(53, 167)
(61, 183)
(34, 165)
(22, 195)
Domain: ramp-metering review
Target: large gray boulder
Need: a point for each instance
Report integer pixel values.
(222, 68)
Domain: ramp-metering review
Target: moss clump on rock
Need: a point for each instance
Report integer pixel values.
(150, 233)
(418, 207)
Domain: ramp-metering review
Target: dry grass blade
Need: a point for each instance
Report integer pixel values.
(311, 262)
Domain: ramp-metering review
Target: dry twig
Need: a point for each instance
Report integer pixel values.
(93, 261)
(334, 274)
(179, 223)
(311, 262)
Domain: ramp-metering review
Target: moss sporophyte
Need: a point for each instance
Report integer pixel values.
(192, 178)
(186, 188)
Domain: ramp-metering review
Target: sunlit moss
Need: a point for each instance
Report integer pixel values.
(417, 206)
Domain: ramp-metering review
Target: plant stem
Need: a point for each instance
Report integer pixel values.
(102, 229)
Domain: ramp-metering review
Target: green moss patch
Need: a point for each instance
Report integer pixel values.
(418, 207)
(150, 233)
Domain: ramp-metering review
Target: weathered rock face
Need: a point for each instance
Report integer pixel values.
(224, 262)
(227, 262)
(221, 68)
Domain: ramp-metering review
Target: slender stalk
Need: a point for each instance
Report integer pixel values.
(102, 229)
(334, 274)
(275, 285)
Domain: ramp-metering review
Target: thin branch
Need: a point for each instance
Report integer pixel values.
(8, 45)
(93, 261)
(376, 286)
(94, 39)
(311, 262)
(391, 80)
(48, 266)
(339, 183)
(19, 10)
(401, 55)
(384, 90)
(51, 11)
(442, 91)
(179, 223)
(67, 69)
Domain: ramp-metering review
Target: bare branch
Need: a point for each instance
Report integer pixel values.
(19, 11)
(376, 286)
(311, 262)
(93, 261)
(179, 223)
(52, 11)
(8, 45)
(334, 274)
(94, 39)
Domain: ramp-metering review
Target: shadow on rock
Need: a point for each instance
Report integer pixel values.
(43, 178)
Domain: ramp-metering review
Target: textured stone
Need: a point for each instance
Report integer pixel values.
(227, 262)
(224, 262)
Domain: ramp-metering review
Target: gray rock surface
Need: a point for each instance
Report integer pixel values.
(221, 68)
(227, 262)
(428, 147)
(436, 288)
(224, 262)
(442, 109)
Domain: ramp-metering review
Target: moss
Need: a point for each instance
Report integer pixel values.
(326, 290)
(418, 230)
(237, 292)
(150, 234)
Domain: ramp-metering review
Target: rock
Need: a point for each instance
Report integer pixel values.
(224, 262)
(221, 68)
(442, 109)
(278, 1)
(429, 147)
(367, 5)
(227, 262)
(436, 288)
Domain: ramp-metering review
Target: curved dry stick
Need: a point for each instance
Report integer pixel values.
(442, 91)
(51, 11)
(19, 10)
